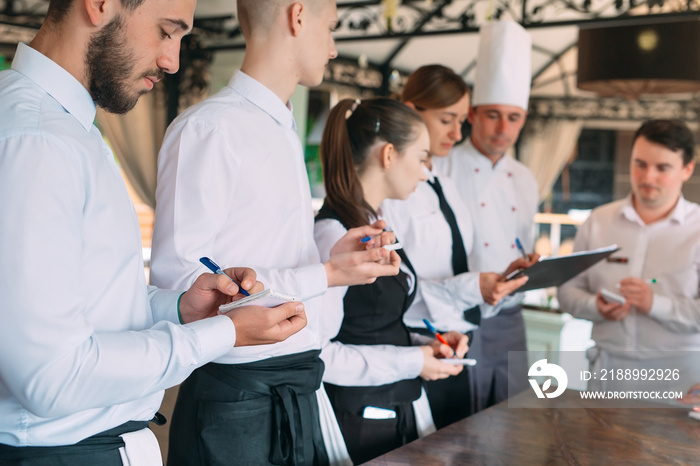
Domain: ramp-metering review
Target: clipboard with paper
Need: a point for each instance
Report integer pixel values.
(554, 271)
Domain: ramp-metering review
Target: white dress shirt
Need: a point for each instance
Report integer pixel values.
(426, 236)
(232, 186)
(502, 202)
(359, 365)
(668, 250)
(79, 351)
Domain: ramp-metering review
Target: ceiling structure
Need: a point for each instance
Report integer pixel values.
(380, 41)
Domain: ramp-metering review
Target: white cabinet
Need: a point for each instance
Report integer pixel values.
(561, 339)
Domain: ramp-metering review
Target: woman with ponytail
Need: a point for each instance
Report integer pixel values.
(435, 228)
(370, 151)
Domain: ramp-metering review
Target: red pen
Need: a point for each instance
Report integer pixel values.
(440, 338)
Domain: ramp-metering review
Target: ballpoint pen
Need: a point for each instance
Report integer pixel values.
(519, 245)
(211, 265)
(649, 281)
(440, 338)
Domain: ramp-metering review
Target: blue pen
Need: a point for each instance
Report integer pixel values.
(211, 265)
(437, 335)
(521, 249)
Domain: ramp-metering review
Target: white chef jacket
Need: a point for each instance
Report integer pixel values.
(502, 202)
(668, 250)
(426, 236)
(359, 365)
(232, 186)
(79, 351)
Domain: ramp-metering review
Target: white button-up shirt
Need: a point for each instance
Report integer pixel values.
(668, 250)
(426, 236)
(79, 351)
(232, 185)
(502, 202)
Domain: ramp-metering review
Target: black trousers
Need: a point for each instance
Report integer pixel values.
(500, 335)
(100, 449)
(259, 413)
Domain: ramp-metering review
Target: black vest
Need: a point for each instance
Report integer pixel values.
(374, 316)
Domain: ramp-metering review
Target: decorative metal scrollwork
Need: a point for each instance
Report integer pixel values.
(615, 109)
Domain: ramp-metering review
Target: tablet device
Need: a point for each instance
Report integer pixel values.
(266, 298)
(553, 271)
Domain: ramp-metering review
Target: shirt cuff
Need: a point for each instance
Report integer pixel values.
(594, 314)
(661, 307)
(216, 336)
(411, 362)
(312, 281)
(164, 306)
(417, 339)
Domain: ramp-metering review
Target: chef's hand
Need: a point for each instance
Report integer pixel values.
(494, 287)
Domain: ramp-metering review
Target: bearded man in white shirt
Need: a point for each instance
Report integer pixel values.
(86, 348)
(656, 270)
(232, 185)
(501, 195)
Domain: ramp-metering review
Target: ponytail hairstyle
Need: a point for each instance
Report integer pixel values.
(352, 128)
(433, 86)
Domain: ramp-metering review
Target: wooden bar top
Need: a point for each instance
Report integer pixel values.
(648, 435)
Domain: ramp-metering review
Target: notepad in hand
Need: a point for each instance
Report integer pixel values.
(266, 298)
(459, 362)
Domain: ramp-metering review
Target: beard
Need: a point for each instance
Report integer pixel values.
(109, 65)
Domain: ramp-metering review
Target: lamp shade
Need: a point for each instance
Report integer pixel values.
(628, 61)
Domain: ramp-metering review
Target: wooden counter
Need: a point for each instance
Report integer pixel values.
(648, 435)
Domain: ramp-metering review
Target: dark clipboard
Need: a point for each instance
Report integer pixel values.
(554, 271)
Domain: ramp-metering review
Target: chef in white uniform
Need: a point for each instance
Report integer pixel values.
(500, 193)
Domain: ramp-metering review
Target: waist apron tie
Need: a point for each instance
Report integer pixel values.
(285, 379)
(101, 448)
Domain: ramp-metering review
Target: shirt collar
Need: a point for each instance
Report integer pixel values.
(429, 173)
(484, 162)
(263, 98)
(57, 82)
(678, 214)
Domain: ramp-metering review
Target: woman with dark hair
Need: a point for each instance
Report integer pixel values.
(371, 151)
(435, 227)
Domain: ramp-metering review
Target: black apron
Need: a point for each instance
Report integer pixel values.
(374, 316)
(264, 412)
(100, 449)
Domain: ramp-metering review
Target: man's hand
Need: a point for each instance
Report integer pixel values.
(360, 268)
(692, 397)
(459, 343)
(257, 325)
(494, 287)
(210, 291)
(612, 311)
(637, 293)
(434, 368)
